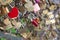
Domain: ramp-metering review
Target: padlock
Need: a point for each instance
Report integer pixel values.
(26, 35)
(21, 9)
(45, 11)
(34, 23)
(47, 22)
(51, 16)
(13, 13)
(37, 20)
(52, 21)
(5, 10)
(7, 23)
(5, 2)
(30, 6)
(53, 7)
(16, 24)
(50, 13)
(33, 19)
(36, 7)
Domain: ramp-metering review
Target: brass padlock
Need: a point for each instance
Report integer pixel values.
(52, 7)
(45, 11)
(7, 23)
(4, 10)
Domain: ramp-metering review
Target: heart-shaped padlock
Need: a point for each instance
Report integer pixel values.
(13, 13)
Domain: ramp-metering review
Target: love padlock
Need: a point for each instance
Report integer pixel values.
(13, 13)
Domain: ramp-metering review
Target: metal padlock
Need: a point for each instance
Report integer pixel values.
(45, 11)
(7, 23)
(33, 19)
(5, 2)
(13, 13)
(5, 10)
(52, 21)
(21, 9)
(53, 7)
(36, 7)
(30, 6)
(47, 22)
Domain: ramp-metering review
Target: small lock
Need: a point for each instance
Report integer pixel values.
(21, 9)
(5, 10)
(13, 13)
(30, 6)
(34, 22)
(52, 7)
(6, 21)
(36, 7)
(52, 21)
(51, 16)
(5, 2)
(47, 21)
(45, 11)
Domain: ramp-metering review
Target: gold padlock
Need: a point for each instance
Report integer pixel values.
(6, 21)
(52, 7)
(4, 10)
(45, 11)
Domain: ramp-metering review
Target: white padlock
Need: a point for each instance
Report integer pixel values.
(36, 7)
(29, 6)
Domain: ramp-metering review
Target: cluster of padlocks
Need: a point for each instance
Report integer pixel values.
(30, 19)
